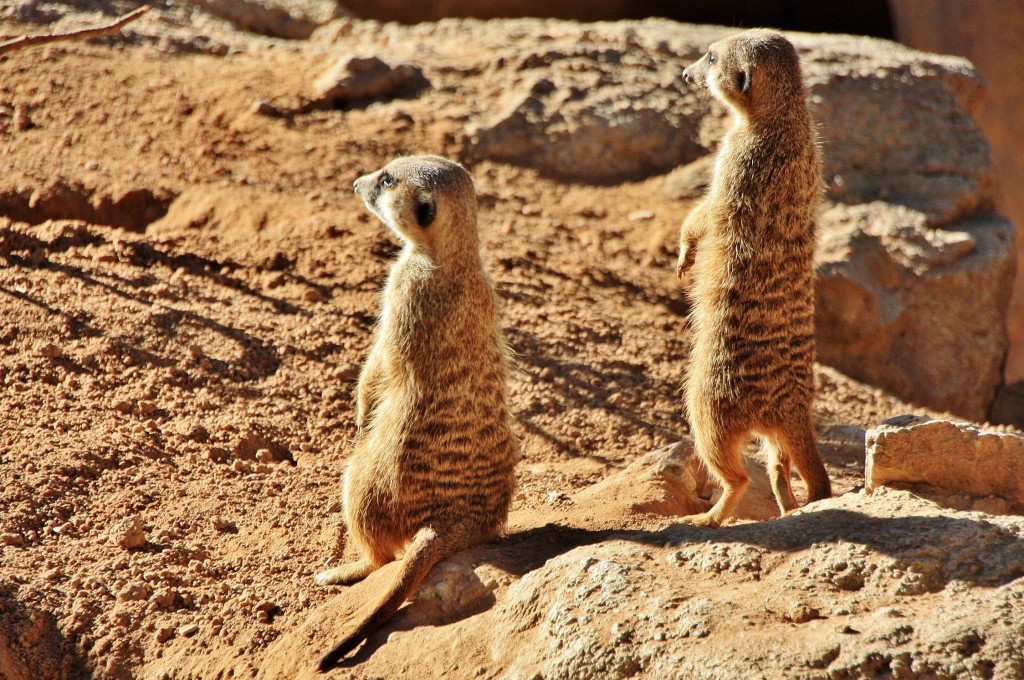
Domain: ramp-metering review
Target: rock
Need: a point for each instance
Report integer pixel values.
(690, 181)
(881, 107)
(50, 351)
(668, 481)
(166, 598)
(1008, 407)
(672, 482)
(265, 611)
(132, 592)
(11, 538)
(356, 78)
(566, 107)
(188, 630)
(22, 121)
(279, 20)
(987, 34)
(914, 309)
(948, 455)
(129, 533)
(453, 589)
(681, 614)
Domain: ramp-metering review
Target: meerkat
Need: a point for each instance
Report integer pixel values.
(432, 471)
(748, 248)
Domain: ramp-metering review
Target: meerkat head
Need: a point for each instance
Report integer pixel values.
(754, 73)
(427, 201)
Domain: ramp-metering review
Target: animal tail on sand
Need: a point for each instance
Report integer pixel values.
(426, 550)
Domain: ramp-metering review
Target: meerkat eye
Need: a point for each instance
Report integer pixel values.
(387, 180)
(712, 58)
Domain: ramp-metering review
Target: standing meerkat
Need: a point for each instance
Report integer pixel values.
(750, 243)
(432, 472)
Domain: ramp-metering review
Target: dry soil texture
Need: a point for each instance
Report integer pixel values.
(187, 288)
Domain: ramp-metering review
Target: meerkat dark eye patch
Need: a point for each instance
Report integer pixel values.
(426, 211)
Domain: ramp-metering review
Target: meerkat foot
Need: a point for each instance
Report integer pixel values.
(704, 519)
(346, 574)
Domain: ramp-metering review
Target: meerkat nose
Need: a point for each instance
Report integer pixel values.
(686, 75)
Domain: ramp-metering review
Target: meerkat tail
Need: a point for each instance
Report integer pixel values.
(426, 550)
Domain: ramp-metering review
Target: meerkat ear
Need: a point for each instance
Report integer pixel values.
(426, 211)
(743, 78)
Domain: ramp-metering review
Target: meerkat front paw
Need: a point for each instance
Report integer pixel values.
(687, 254)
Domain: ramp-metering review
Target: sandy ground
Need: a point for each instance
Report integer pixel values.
(187, 290)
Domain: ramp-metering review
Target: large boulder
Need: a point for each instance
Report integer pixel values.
(596, 107)
(915, 309)
(988, 33)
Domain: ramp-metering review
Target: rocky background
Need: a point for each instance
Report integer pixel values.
(188, 286)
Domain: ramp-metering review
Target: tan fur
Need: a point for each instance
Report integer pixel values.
(432, 472)
(750, 243)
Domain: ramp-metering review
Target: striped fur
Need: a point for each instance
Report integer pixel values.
(748, 247)
(432, 472)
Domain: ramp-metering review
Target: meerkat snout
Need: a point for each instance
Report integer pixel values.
(364, 187)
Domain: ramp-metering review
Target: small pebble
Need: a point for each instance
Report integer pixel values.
(13, 539)
(50, 351)
(640, 216)
(21, 121)
(129, 534)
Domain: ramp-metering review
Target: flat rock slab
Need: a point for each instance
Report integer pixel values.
(948, 455)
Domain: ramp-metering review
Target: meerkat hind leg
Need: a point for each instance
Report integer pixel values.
(778, 473)
(801, 447)
(723, 458)
(347, 574)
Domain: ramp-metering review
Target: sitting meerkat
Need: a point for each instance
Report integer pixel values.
(432, 472)
(750, 243)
